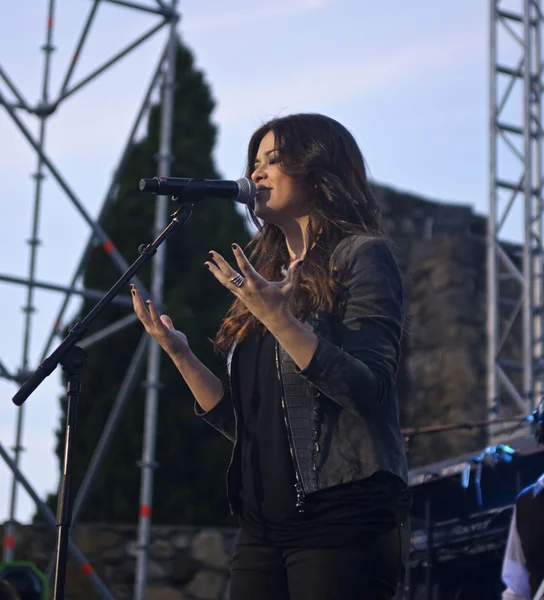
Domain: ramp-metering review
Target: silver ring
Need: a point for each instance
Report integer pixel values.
(237, 280)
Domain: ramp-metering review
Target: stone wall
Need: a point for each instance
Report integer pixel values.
(185, 563)
(445, 348)
(441, 250)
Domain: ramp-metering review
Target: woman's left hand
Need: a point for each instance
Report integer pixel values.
(267, 300)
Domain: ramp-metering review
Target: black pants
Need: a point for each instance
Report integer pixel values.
(370, 571)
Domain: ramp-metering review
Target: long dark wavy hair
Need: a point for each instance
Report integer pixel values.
(322, 155)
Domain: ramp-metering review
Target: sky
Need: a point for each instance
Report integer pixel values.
(409, 79)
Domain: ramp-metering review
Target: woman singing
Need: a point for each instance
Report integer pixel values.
(318, 470)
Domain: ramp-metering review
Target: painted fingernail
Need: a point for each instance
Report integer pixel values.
(148, 301)
(234, 246)
(210, 252)
(207, 265)
(133, 292)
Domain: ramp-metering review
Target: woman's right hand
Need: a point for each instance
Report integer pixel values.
(160, 328)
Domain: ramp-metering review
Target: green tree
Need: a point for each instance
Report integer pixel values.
(189, 483)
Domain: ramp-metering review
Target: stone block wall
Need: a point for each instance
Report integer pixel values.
(441, 249)
(444, 368)
(185, 563)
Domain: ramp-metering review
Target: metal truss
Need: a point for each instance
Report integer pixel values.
(515, 273)
(13, 102)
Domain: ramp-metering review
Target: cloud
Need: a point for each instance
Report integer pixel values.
(323, 84)
(220, 19)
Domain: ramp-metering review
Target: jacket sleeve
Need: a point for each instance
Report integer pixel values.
(360, 372)
(221, 416)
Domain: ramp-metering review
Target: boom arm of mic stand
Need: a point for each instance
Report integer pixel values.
(78, 330)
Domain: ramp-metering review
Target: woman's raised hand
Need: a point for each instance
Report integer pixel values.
(159, 327)
(267, 300)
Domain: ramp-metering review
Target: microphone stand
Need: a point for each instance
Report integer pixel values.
(72, 359)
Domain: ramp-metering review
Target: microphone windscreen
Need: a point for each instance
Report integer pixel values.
(247, 190)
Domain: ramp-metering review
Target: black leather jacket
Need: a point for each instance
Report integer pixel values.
(341, 411)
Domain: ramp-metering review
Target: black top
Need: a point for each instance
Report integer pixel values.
(336, 516)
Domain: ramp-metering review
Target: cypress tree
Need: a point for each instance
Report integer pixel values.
(189, 483)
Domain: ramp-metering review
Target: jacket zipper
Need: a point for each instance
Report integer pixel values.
(298, 485)
(235, 431)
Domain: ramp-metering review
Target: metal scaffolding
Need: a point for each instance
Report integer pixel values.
(14, 103)
(515, 274)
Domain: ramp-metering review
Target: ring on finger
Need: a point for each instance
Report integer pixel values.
(237, 280)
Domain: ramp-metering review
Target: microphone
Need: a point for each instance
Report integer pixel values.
(242, 190)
